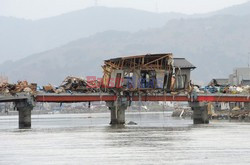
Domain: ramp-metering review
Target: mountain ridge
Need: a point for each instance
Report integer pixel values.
(215, 45)
(31, 37)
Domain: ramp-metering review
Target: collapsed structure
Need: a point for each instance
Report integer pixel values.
(74, 84)
(157, 72)
(150, 73)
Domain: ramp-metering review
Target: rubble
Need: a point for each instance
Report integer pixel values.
(76, 84)
(244, 90)
(239, 114)
(21, 86)
(49, 88)
(182, 112)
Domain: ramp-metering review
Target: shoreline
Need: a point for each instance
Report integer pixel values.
(49, 112)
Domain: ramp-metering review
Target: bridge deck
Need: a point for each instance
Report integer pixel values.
(108, 97)
(9, 98)
(69, 98)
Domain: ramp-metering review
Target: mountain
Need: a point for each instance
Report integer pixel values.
(215, 45)
(20, 38)
(237, 10)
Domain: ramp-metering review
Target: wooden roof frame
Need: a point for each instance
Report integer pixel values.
(142, 62)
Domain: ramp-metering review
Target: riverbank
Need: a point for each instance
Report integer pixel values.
(236, 114)
(83, 111)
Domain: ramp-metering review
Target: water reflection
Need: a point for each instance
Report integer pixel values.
(157, 139)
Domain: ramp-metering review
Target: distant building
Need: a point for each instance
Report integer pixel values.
(219, 82)
(240, 76)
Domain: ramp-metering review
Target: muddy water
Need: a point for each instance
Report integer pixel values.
(157, 139)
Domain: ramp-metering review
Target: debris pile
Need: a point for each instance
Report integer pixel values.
(235, 114)
(77, 84)
(239, 114)
(223, 89)
(21, 86)
(74, 84)
(49, 88)
(182, 112)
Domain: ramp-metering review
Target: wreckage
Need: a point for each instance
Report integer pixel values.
(147, 73)
(21, 86)
(150, 73)
(74, 84)
(80, 85)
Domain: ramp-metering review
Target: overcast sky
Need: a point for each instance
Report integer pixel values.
(35, 9)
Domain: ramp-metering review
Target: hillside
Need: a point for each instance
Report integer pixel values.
(237, 10)
(20, 38)
(215, 45)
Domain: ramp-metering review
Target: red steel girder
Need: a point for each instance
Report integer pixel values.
(183, 98)
(223, 98)
(174, 98)
(73, 98)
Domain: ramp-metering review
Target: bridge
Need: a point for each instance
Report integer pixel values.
(125, 79)
(70, 98)
(118, 104)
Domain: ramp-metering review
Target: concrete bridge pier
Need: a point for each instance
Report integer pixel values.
(24, 109)
(247, 106)
(117, 111)
(200, 112)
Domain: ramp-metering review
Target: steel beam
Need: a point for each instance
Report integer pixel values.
(108, 97)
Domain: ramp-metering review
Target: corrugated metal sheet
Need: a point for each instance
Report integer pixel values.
(183, 63)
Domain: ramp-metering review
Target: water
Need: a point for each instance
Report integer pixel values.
(88, 139)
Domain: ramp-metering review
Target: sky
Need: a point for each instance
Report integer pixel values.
(37, 9)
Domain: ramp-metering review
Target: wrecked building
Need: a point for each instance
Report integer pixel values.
(159, 72)
(219, 82)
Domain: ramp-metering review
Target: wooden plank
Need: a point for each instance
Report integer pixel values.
(156, 60)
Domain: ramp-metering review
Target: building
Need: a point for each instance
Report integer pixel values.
(219, 82)
(147, 72)
(240, 76)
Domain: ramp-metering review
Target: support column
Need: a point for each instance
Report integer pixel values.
(247, 106)
(24, 117)
(24, 110)
(117, 111)
(200, 112)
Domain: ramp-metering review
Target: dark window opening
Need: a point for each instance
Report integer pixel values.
(148, 79)
(118, 80)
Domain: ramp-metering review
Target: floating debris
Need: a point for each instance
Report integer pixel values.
(132, 123)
